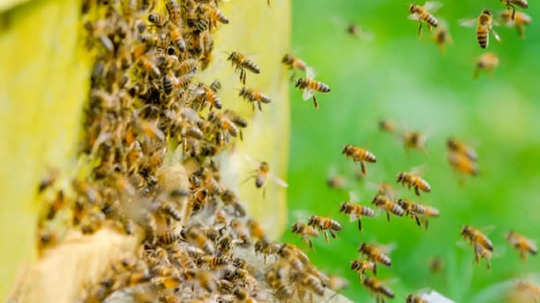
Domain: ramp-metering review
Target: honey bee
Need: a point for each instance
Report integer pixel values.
(262, 174)
(294, 62)
(242, 296)
(47, 181)
(376, 253)
(486, 62)
(387, 126)
(386, 189)
(173, 8)
(436, 265)
(325, 225)
(310, 86)
(240, 231)
(442, 37)
(423, 13)
(56, 204)
(305, 231)
(386, 204)
(418, 211)
(167, 282)
(359, 154)
(519, 21)
(336, 182)
(484, 25)
(256, 230)
(412, 180)
(266, 248)
(414, 139)
(241, 63)
(524, 291)
(462, 148)
(481, 243)
(310, 283)
(463, 164)
(362, 265)
(511, 4)
(208, 95)
(415, 299)
(206, 280)
(196, 236)
(378, 289)
(254, 97)
(522, 244)
(356, 211)
(356, 31)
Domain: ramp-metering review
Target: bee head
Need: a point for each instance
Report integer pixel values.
(412, 8)
(343, 207)
(465, 230)
(487, 11)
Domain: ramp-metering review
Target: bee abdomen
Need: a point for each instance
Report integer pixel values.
(368, 212)
(386, 291)
(482, 37)
(251, 66)
(432, 21)
(397, 210)
(319, 86)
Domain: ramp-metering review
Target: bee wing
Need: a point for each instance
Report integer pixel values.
(386, 248)
(432, 296)
(310, 73)
(300, 215)
(307, 94)
(467, 22)
(252, 162)
(419, 170)
(279, 181)
(432, 6)
(496, 36)
(414, 17)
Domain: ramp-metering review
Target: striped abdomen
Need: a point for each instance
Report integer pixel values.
(482, 35)
(251, 66)
(394, 208)
(429, 19)
(318, 86)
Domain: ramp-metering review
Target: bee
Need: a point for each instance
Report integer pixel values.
(463, 164)
(356, 31)
(414, 181)
(157, 20)
(337, 283)
(214, 15)
(522, 244)
(324, 225)
(484, 25)
(387, 126)
(295, 63)
(480, 252)
(486, 62)
(166, 282)
(56, 205)
(254, 96)
(266, 248)
(208, 95)
(262, 174)
(336, 182)
(362, 265)
(423, 13)
(386, 204)
(356, 211)
(310, 283)
(241, 63)
(386, 189)
(47, 181)
(206, 280)
(359, 154)
(518, 20)
(243, 296)
(481, 243)
(418, 211)
(415, 299)
(256, 230)
(414, 139)
(173, 8)
(196, 236)
(511, 4)
(442, 37)
(375, 253)
(305, 231)
(376, 287)
(310, 86)
(240, 231)
(524, 291)
(462, 148)
(176, 37)
(436, 265)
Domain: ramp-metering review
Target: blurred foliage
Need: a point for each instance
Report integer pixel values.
(399, 77)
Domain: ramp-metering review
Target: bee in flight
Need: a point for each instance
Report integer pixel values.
(356, 211)
(442, 36)
(387, 126)
(310, 86)
(358, 154)
(522, 244)
(388, 205)
(336, 181)
(454, 145)
(241, 63)
(483, 247)
(254, 97)
(518, 20)
(296, 63)
(414, 139)
(378, 289)
(262, 173)
(376, 253)
(484, 25)
(486, 62)
(419, 212)
(511, 4)
(462, 163)
(361, 266)
(305, 231)
(325, 225)
(423, 13)
(410, 179)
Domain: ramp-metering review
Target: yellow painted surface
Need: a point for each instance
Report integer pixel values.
(44, 74)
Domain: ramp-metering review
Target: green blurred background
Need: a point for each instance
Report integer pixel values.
(398, 77)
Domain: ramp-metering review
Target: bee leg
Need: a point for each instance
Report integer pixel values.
(359, 224)
(363, 167)
(259, 105)
(513, 12)
(387, 216)
(416, 191)
(417, 220)
(426, 223)
(374, 269)
(326, 236)
(315, 102)
(310, 244)
(332, 233)
(419, 30)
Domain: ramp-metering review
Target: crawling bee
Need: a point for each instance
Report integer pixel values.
(311, 284)
(256, 230)
(386, 204)
(325, 225)
(484, 25)
(375, 253)
(359, 154)
(519, 21)
(305, 231)
(486, 62)
(197, 237)
(310, 86)
(424, 14)
(362, 265)
(419, 212)
(481, 243)
(356, 211)
(414, 181)
(378, 289)
(241, 63)
(522, 244)
(254, 97)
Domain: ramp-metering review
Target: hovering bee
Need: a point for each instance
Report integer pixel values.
(415, 299)
(522, 244)
(486, 62)
(358, 154)
(336, 181)
(387, 126)
(241, 63)
(254, 96)
(378, 289)
(483, 247)
(362, 265)
(414, 139)
(519, 21)
(356, 211)
(462, 148)
(357, 31)
(262, 174)
(376, 253)
(296, 63)
(511, 4)
(423, 13)
(442, 37)
(463, 163)
(324, 225)
(412, 180)
(310, 86)
(305, 231)
(419, 212)
(484, 25)
(386, 204)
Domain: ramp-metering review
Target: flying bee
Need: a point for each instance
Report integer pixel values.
(336, 182)
(511, 4)
(356, 211)
(519, 21)
(310, 86)
(357, 31)
(262, 173)
(486, 62)
(358, 154)
(360, 266)
(376, 253)
(295, 63)
(419, 212)
(462, 163)
(378, 289)
(325, 225)
(480, 252)
(387, 126)
(412, 180)
(214, 15)
(484, 25)
(481, 243)
(254, 97)
(241, 63)
(415, 299)
(442, 37)
(462, 148)
(414, 139)
(436, 265)
(423, 13)
(386, 204)
(305, 231)
(522, 244)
